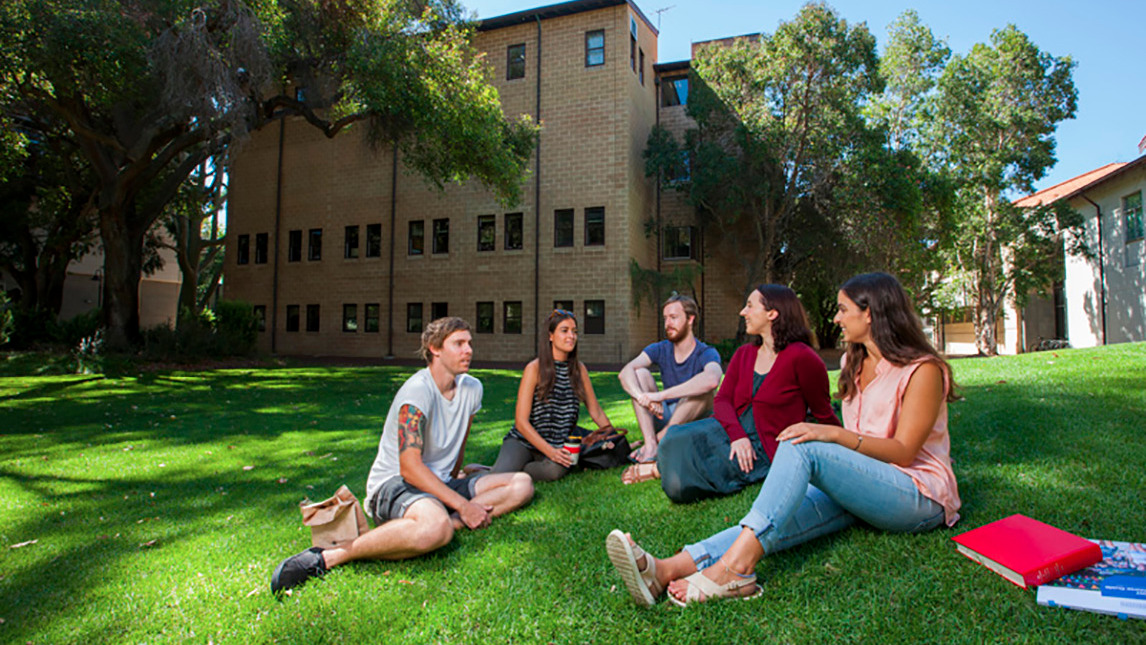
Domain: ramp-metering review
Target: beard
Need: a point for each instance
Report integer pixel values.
(675, 336)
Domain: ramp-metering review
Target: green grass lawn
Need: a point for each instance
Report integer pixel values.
(160, 503)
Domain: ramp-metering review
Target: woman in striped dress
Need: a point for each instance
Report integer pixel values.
(553, 386)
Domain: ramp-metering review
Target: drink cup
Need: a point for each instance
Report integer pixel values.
(574, 450)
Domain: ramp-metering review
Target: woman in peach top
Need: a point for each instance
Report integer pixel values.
(888, 466)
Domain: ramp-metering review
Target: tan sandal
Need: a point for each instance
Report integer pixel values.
(641, 583)
(638, 473)
(701, 588)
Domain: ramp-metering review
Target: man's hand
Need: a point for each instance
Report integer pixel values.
(475, 516)
(743, 453)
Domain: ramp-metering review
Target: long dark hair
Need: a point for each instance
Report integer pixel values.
(546, 372)
(895, 329)
(791, 325)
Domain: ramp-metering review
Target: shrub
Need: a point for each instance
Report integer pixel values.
(230, 330)
(7, 325)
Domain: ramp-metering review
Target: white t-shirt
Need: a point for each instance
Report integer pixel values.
(446, 423)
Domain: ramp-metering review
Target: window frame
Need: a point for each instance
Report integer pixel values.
(243, 249)
(512, 65)
(691, 243)
(444, 247)
(313, 315)
(294, 245)
(590, 49)
(519, 218)
(671, 81)
(411, 307)
(376, 318)
(436, 306)
(1128, 213)
(262, 244)
(590, 324)
(569, 227)
(589, 225)
(507, 320)
(487, 223)
(314, 245)
(293, 318)
(420, 249)
(349, 318)
(373, 240)
(479, 327)
(350, 241)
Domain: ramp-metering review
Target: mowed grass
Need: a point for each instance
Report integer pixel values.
(157, 506)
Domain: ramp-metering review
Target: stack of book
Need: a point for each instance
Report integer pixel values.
(1069, 571)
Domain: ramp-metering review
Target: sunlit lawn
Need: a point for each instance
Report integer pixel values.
(153, 508)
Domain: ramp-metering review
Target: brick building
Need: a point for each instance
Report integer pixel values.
(346, 255)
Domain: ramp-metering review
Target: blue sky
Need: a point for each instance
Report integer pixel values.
(1104, 37)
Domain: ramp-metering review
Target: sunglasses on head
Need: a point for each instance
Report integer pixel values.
(562, 313)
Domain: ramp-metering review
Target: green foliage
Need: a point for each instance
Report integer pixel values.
(134, 485)
(652, 287)
(231, 329)
(6, 323)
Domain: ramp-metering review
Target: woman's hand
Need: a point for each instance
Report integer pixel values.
(743, 453)
(801, 432)
(560, 456)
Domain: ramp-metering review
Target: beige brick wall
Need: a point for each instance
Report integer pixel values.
(595, 123)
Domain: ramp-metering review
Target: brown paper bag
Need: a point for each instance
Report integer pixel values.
(335, 521)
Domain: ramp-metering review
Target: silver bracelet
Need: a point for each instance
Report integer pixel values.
(859, 443)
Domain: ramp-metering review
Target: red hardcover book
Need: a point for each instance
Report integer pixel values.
(1027, 552)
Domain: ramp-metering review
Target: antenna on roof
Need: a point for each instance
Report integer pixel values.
(659, 12)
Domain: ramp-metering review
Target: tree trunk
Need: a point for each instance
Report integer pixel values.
(123, 268)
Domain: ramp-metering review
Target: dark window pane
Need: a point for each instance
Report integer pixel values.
(414, 317)
(243, 252)
(594, 48)
(595, 226)
(594, 317)
(641, 69)
(512, 318)
(487, 232)
(515, 64)
(373, 240)
(351, 245)
(441, 236)
(314, 251)
(563, 305)
(678, 242)
(312, 317)
(1132, 213)
(372, 314)
(633, 52)
(674, 91)
(349, 317)
(417, 245)
(261, 317)
(563, 227)
(514, 234)
(294, 246)
(485, 317)
(439, 310)
(292, 318)
(261, 248)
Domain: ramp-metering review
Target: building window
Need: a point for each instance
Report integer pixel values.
(314, 249)
(414, 317)
(1132, 215)
(641, 68)
(294, 246)
(487, 232)
(417, 238)
(633, 52)
(563, 305)
(514, 233)
(674, 91)
(261, 248)
(515, 62)
(350, 250)
(243, 254)
(511, 318)
(678, 242)
(313, 316)
(292, 318)
(595, 226)
(563, 227)
(681, 171)
(350, 318)
(442, 235)
(260, 312)
(439, 310)
(594, 48)
(373, 240)
(372, 317)
(594, 317)
(485, 317)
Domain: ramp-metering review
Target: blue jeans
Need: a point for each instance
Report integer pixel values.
(816, 488)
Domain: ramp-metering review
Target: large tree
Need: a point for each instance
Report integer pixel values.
(995, 114)
(777, 117)
(149, 89)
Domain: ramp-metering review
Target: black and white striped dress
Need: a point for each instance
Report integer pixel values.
(554, 417)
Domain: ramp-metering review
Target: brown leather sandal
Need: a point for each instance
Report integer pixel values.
(638, 473)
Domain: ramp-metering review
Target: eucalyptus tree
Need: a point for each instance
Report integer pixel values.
(149, 89)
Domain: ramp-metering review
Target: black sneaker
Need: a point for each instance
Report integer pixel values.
(297, 569)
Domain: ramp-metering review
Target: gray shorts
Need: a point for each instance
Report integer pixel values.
(395, 496)
(667, 409)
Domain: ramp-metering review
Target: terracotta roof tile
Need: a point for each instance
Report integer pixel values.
(1068, 187)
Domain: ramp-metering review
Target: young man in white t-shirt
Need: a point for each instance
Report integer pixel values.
(414, 491)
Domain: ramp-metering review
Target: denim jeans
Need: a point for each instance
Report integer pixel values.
(816, 488)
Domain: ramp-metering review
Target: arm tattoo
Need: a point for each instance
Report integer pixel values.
(410, 433)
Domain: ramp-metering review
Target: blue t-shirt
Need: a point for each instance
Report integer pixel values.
(674, 373)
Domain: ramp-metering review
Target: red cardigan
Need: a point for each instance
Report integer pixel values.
(797, 382)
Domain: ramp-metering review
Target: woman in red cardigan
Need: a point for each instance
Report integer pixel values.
(771, 383)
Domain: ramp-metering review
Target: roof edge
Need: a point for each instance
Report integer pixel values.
(557, 11)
